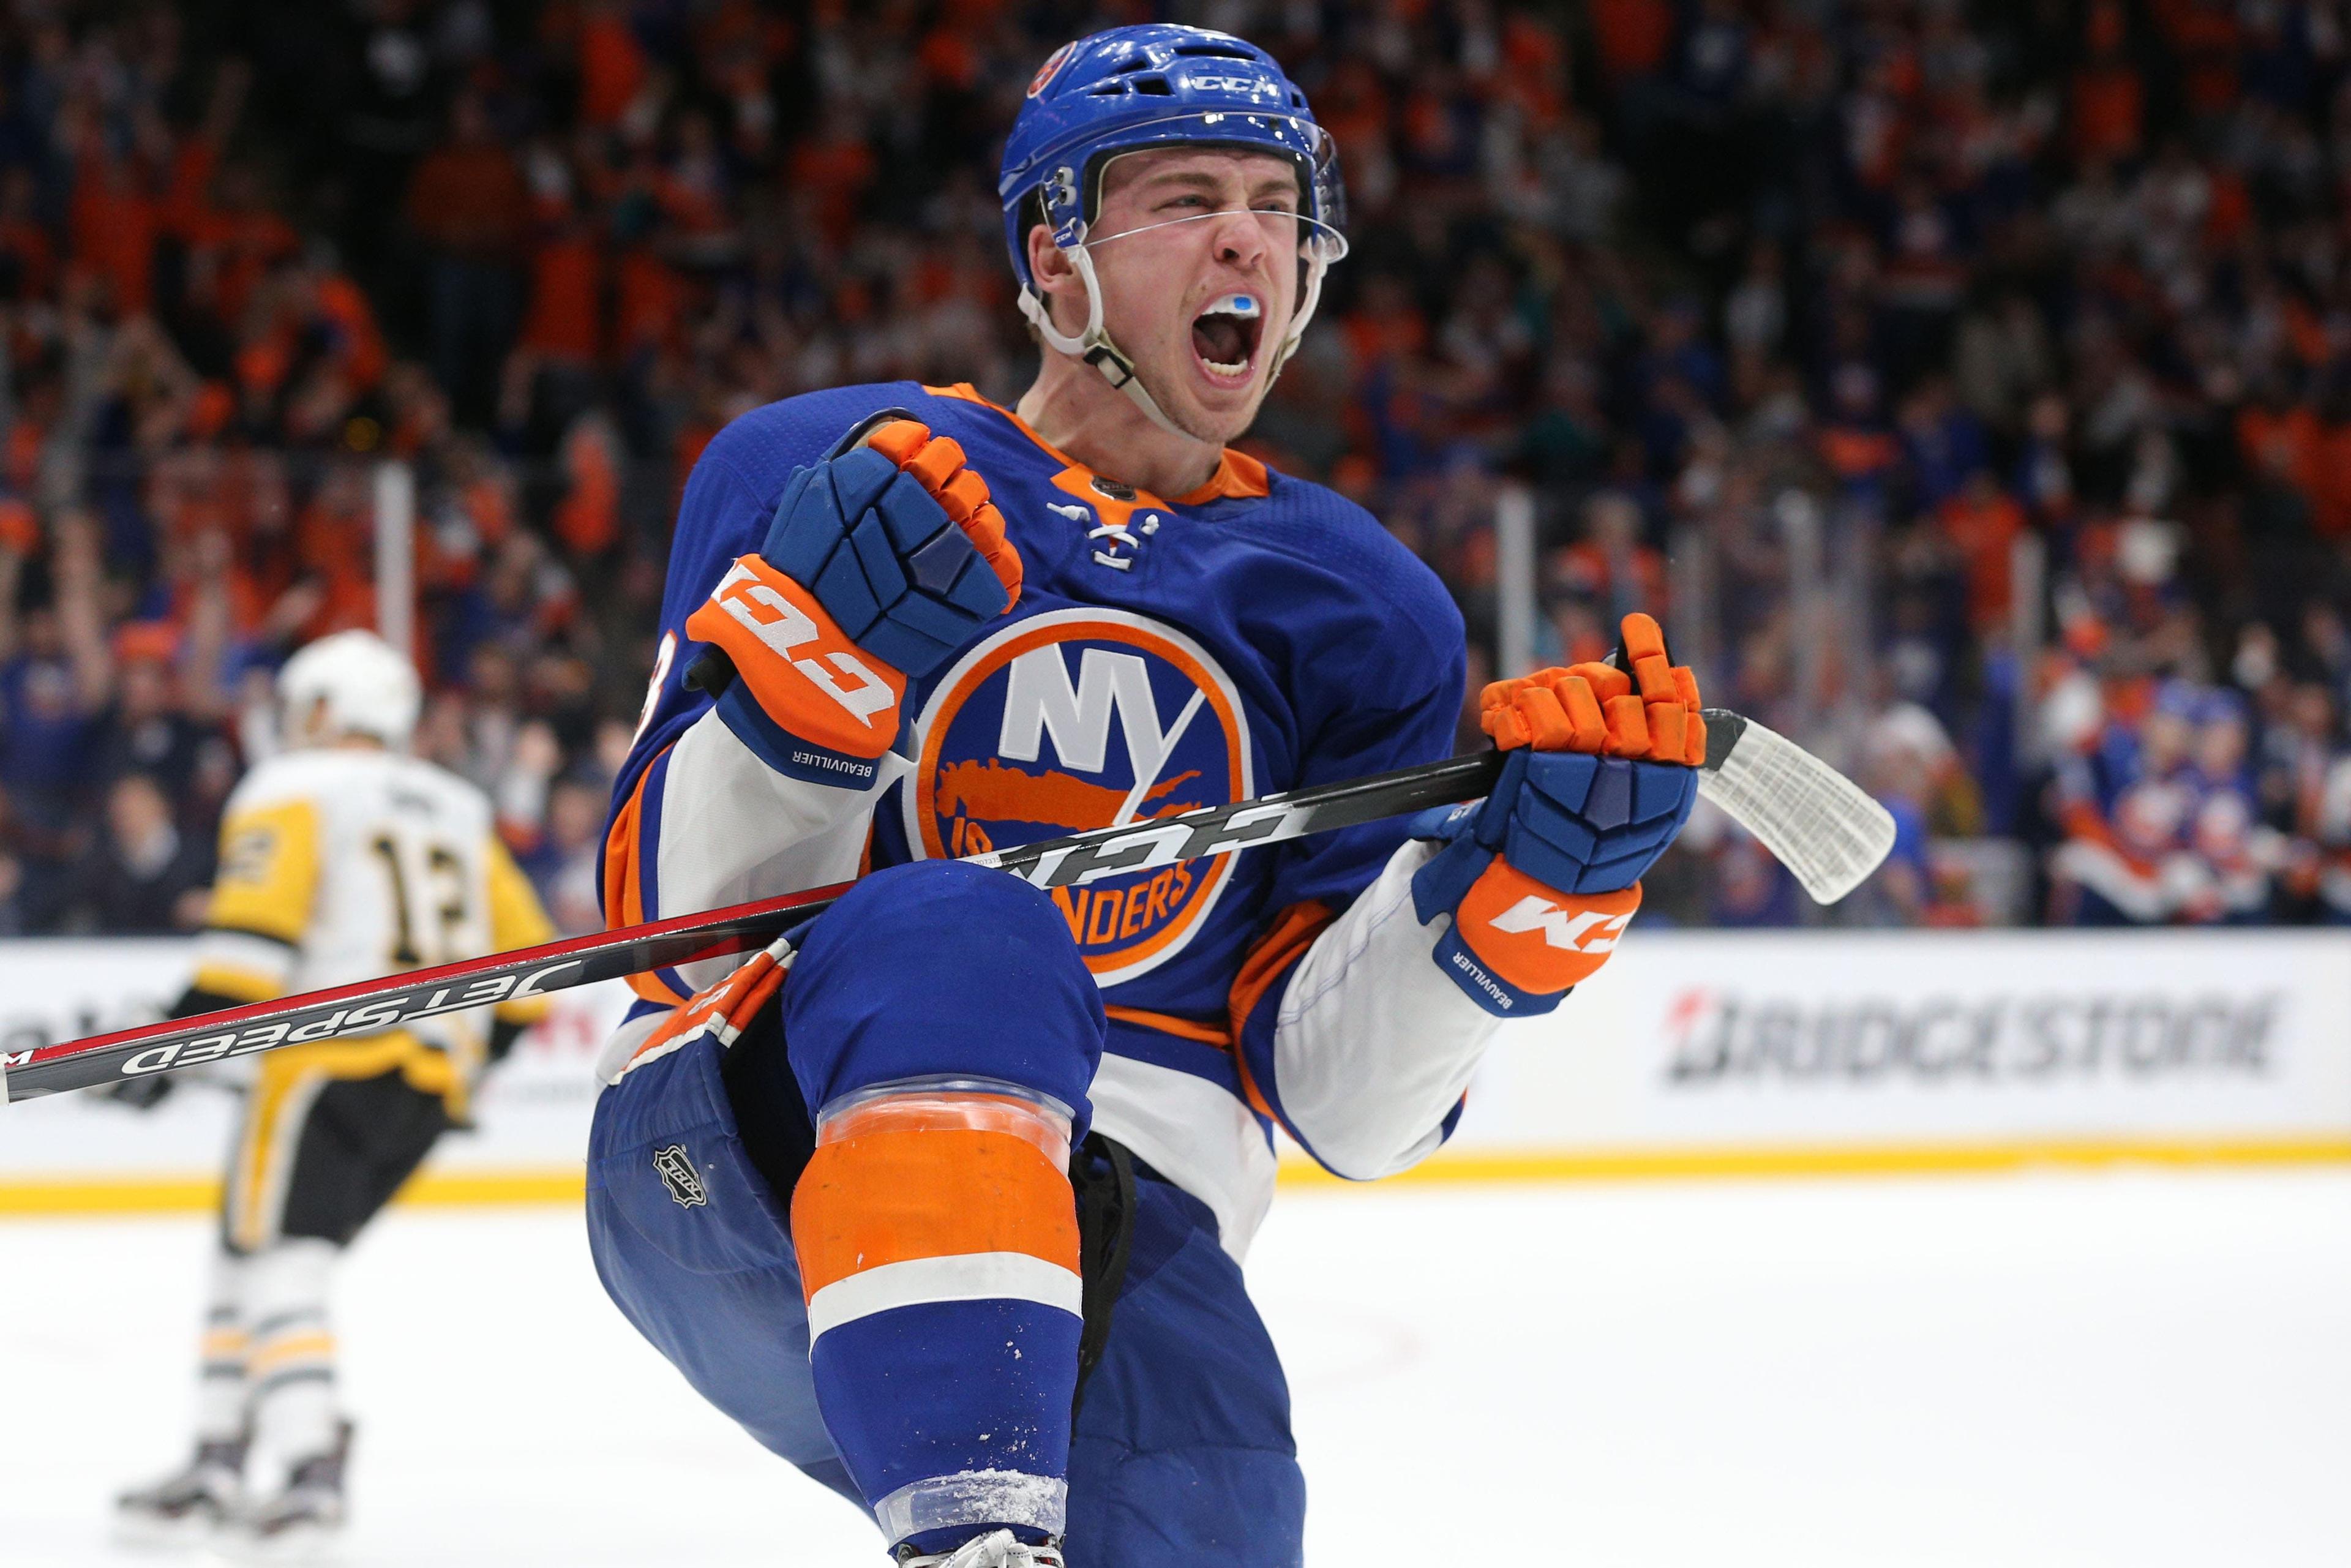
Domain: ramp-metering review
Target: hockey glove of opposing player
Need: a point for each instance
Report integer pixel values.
(1542, 875)
(151, 1090)
(881, 561)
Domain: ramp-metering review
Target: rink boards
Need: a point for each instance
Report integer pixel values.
(1691, 1053)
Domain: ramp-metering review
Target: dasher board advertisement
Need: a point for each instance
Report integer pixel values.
(1691, 1052)
(1732, 1040)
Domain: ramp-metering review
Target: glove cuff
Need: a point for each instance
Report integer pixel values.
(1438, 887)
(1516, 946)
(1466, 969)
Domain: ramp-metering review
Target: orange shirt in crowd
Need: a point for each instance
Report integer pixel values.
(336, 544)
(186, 195)
(2109, 106)
(565, 316)
(2204, 34)
(2286, 440)
(588, 519)
(1982, 527)
(1534, 69)
(112, 222)
(2231, 210)
(365, 359)
(20, 530)
(947, 58)
(1585, 566)
(834, 170)
(611, 65)
(1631, 36)
(20, 456)
(1854, 451)
(2330, 497)
(651, 299)
(250, 244)
(470, 199)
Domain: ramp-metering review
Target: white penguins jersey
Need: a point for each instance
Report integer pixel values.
(340, 864)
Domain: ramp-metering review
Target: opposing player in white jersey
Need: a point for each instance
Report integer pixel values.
(341, 859)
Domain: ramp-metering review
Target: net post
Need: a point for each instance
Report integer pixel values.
(1516, 592)
(395, 555)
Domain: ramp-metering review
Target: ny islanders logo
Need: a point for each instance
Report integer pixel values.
(1077, 719)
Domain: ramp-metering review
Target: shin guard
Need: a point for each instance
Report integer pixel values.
(222, 1415)
(289, 1365)
(937, 1239)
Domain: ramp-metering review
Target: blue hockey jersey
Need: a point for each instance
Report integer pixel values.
(1259, 634)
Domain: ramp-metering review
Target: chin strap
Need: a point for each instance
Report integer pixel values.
(1093, 344)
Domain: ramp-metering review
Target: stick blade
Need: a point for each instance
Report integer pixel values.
(1815, 821)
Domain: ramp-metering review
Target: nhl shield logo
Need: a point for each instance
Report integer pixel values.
(678, 1174)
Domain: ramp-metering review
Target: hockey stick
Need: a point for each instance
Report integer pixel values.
(1801, 810)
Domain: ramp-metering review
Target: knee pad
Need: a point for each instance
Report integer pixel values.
(941, 970)
(936, 1189)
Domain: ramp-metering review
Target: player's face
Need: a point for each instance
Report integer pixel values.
(1196, 251)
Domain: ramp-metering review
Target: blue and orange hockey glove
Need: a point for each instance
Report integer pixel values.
(1542, 876)
(881, 562)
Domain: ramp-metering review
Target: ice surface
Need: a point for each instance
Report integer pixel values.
(2140, 1369)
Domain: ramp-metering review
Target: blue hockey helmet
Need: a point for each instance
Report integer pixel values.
(1157, 85)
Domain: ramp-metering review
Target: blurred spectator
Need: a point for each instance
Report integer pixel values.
(144, 730)
(468, 203)
(563, 864)
(145, 876)
(54, 674)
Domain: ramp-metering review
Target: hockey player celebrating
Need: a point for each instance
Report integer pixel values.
(944, 1196)
(340, 859)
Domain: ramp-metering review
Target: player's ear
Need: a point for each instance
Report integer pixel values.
(1057, 277)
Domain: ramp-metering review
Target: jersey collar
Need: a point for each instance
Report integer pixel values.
(1238, 476)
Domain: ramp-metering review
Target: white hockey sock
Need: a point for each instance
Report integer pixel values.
(220, 1377)
(290, 1358)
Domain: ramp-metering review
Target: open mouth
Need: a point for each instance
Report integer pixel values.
(1225, 337)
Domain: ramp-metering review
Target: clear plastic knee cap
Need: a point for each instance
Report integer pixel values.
(942, 1103)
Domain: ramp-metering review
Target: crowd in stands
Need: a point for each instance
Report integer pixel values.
(1968, 385)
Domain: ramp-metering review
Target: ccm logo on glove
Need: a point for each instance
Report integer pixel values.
(1586, 931)
(1543, 876)
(781, 617)
(880, 562)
